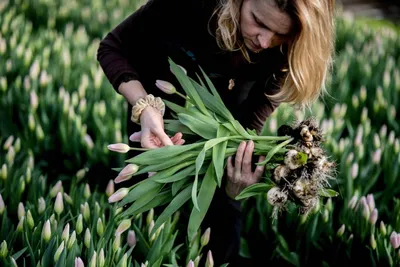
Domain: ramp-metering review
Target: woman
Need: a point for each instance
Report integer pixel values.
(258, 54)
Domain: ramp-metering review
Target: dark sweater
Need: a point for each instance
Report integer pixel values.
(139, 48)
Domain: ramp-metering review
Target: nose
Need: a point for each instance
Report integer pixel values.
(265, 39)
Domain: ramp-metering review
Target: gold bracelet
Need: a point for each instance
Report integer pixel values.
(142, 103)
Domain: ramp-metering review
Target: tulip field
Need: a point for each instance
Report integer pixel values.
(59, 114)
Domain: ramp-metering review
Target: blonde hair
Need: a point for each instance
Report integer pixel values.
(309, 53)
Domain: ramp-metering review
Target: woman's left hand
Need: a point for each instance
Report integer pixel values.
(240, 175)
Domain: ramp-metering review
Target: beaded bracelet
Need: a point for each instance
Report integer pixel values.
(142, 103)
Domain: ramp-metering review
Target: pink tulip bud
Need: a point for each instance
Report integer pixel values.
(119, 147)
(126, 173)
(371, 202)
(110, 188)
(374, 216)
(209, 260)
(190, 264)
(59, 204)
(166, 87)
(206, 237)
(131, 239)
(365, 212)
(394, 240)
(117, 196)
(376, 157)
(353, 202)
(79, 262)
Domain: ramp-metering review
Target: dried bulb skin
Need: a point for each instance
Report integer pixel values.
(277, 197)
(281, 173)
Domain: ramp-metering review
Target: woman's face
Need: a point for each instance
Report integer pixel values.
(263, 25)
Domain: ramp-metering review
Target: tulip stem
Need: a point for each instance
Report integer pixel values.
(181, 95)
(139, 149)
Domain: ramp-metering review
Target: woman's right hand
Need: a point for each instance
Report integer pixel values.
(152, 134)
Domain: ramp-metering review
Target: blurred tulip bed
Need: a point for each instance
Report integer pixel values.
(59, 113)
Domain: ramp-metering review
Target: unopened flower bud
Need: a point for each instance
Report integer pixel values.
(376, 156)
(124, 260)
(29, 220)
(58, 252)
(100, 227)
(3, 173)
(55, 189)
(86, 192)
(101, 258)
(325, 216)
(131, 238)
(340, 232)
(79, 262)
(353, 202)
(8, 142)
(395, 240)
(68, 199)
(72, 240)
(117, 196)
(117, 242)
(46, 231)
(371, 202)
(354, 170)
(372, 241)
(59, 204)
(123, 226)
(150, 216)
(110, 188)
(87, 238)
(329, 205)
(21, 210)
(197, 261)
(81, 174)
(166, 87)
(190, 264)
(126, 173)
(2, 205)
(97, 208)
(365, 212)
(382, 228)
(28, 175)
(119, 210)
(374, 216)
(206, 237)
(86, 212)
(65, 233)
(20, 226)
(3, 249)
(209, 260)
(41, 205)
(79, 224)
(119, 147)
(93, 260)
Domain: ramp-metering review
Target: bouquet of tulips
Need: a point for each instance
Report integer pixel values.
(297, 170)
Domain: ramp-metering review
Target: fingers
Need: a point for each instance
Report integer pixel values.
(136, 137)
(180, 142)
(165, 139)
(258, 172)
(176, 137)
(146, 140)
(229, 168)
(248, 155)
(239, 158)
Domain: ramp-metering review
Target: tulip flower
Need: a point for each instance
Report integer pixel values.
(206, 237)
(86, 212)
(123, 226)
(110, 188)
(116, 242)
(46, 231)
(340, 232)
(190, 264)
(209, 260)
(29, 219)
(3, 173)
(93, 260)
(395, 240)
(41, 205)
(131, 238)
(101, 258)
(59, 204)
(100, 227)
(86, 191)
(382, 228)
(79, 224)
(126, 173)
(56, 188)
(20, 225)
(58, 252)
(166, 87)
(3, 249)
(117, 196)
(374, 216)
(72, 240)
(21, 210)
(119, 147)
(2, 205)
(79, 262)
(87, 238)
(65, 233)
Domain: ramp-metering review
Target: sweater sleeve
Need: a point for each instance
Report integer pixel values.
(258, 106)
(138, 35)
